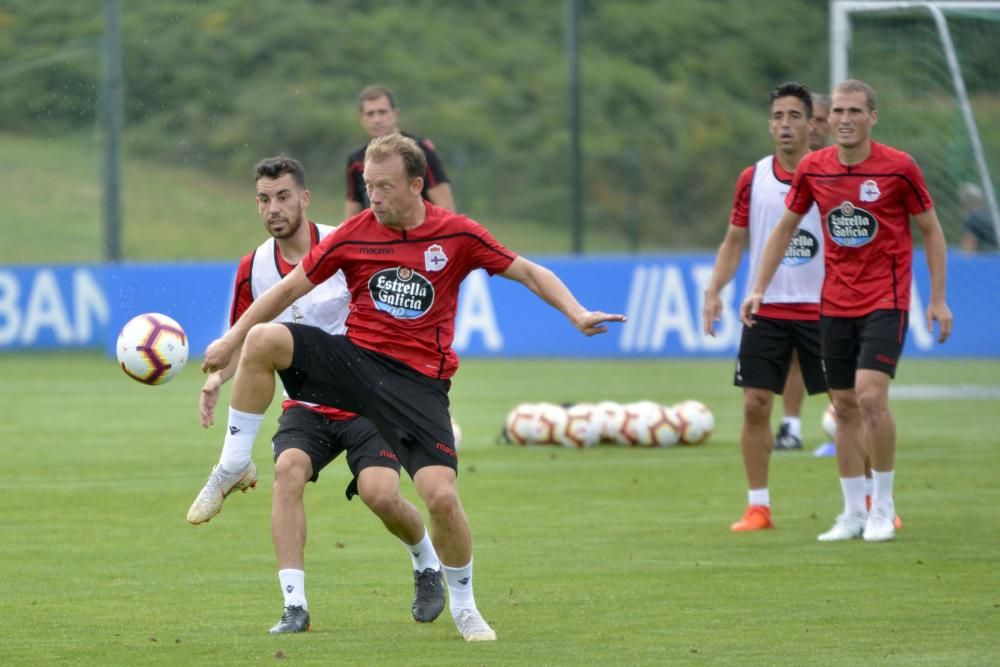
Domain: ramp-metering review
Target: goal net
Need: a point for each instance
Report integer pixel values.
(935, 70)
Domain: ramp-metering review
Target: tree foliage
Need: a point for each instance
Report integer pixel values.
(674, 92)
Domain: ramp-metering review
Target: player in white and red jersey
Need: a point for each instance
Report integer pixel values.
(404, 259)
(788, 320)
(867, 193)
(789, 435)
(309, 436)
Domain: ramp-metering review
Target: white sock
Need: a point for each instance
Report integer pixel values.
(759, 497)
(459, 587)
(869, 486)
(883, 488)
(423, 554)
(238, 445)
(854, 494)
(293, 587)
(794, 425)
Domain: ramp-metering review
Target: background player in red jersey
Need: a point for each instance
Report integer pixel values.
(309, 436)
(404, 260)
(789, 435)
(867, 193)
(379, 115)
(789, 321)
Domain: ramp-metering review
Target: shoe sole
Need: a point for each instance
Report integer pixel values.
(243, 485)
(308, 628)
(736, 528)
(821, 538)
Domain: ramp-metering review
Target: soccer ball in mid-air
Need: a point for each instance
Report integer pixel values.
(697, 422)
(152, 348)
(830, 422)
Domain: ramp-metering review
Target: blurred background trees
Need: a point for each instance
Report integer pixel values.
(674, 98)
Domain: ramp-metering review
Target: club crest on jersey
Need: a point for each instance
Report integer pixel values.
(869, 191)
(801, 249)
(850, 226)
(434, 258)
(401, 292)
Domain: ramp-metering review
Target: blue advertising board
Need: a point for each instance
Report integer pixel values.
(85, 306)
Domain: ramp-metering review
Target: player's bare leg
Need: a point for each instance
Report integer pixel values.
(267, 348)
(288, 531)
(851, 465)
(379, 489)
(453, 540)
(789, 435)
(873, 397)
(755, 443)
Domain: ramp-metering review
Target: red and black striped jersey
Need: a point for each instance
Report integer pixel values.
(865, 210)
(404, 283)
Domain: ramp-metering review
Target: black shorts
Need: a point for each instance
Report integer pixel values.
(766, 354)
(323, 439)
(409, 409)
(872, 342)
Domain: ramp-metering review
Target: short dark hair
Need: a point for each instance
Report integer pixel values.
(414, 160)
(794, 89)
(276, 167)
(375, 92)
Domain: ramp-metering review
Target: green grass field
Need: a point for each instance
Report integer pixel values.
(174, 212)
(595, 557)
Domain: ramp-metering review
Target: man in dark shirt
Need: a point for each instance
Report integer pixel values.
(379, 116)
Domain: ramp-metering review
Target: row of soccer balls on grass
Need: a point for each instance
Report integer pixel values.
(638, 424)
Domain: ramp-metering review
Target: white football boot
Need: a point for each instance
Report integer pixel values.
(219, 485)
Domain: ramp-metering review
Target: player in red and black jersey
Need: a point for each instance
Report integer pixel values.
(866, 192)
(379, 115)
(404, 260)
(309, 436)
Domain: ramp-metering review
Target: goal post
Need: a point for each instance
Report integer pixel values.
(918, 55)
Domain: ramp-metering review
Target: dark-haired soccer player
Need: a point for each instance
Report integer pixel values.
(788, 321)
(404, 260)
(866, 193)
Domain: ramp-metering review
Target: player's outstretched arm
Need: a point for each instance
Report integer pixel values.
(936, 250)
(554, 292)
(727, 261)
(774, 250)
(269, 305)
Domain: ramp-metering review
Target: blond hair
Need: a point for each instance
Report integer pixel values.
(858, 86)
(382, 148)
